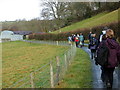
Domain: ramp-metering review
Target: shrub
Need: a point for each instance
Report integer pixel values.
(63, 36)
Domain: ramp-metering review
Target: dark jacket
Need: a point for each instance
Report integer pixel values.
(113, 47)
(118, 54)
(95, 45)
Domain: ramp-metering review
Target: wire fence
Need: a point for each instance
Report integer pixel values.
(63, 43)
(49, 75)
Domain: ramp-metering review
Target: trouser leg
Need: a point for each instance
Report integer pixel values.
(92, 53)
(95, 54)
(76, 44)
(102, 74)
(83, 43)
(108, 75)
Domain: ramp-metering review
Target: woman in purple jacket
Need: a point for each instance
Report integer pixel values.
(113, 59)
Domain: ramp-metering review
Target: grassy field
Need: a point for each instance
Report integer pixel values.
(102, 18)
(21, 58)
(79, 74)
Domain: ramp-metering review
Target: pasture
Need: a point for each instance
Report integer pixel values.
(19, 59)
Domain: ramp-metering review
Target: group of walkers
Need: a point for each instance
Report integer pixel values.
(106, 52)
(77, 38)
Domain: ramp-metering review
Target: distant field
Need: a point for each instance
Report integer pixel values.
(21, 58)
(99, 19)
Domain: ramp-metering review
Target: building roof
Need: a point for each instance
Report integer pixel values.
(23, 32)
(7, 32)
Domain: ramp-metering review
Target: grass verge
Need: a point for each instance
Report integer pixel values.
(79, 73)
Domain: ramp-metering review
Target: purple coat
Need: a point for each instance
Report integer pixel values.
(113, 47)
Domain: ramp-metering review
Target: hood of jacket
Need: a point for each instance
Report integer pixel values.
(112, 43)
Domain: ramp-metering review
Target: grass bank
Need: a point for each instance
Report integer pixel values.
(79, 73)
(20, 58)
(102, 18)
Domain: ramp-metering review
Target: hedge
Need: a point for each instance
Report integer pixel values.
(63, 36)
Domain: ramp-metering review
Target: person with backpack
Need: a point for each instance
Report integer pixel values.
(90, 36)
(93, 46)
(108, 54)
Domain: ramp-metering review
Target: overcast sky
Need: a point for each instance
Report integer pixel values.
(11, 10)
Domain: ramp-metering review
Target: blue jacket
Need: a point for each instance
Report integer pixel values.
(81, 38)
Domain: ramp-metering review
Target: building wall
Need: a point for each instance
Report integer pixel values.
(10, 36)
(16, 37)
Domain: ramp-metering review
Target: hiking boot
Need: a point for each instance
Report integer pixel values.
(94, 56)
(96, 63)
(108, 85)
(91, 57)
(102, 77)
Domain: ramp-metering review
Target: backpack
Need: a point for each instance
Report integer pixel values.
(102, 55)
(93, 41)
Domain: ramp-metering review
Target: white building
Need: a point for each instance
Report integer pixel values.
(9, 36)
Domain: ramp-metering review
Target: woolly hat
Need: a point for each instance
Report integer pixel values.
(105, 28)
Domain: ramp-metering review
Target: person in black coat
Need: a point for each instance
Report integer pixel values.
(93, 46)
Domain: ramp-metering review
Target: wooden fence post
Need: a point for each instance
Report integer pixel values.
(58, 69)
(65, 61)
(69, 58)
(51, 75)
(32, 80)
(71, 44)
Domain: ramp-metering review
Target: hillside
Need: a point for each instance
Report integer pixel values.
(102, 18)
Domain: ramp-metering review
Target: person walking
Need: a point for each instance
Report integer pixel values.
(81, 40)
(101, 35)
(73, 37)
(93, 46)
(113, 58)
(77, 40)
(90, 36)
(69, 40)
